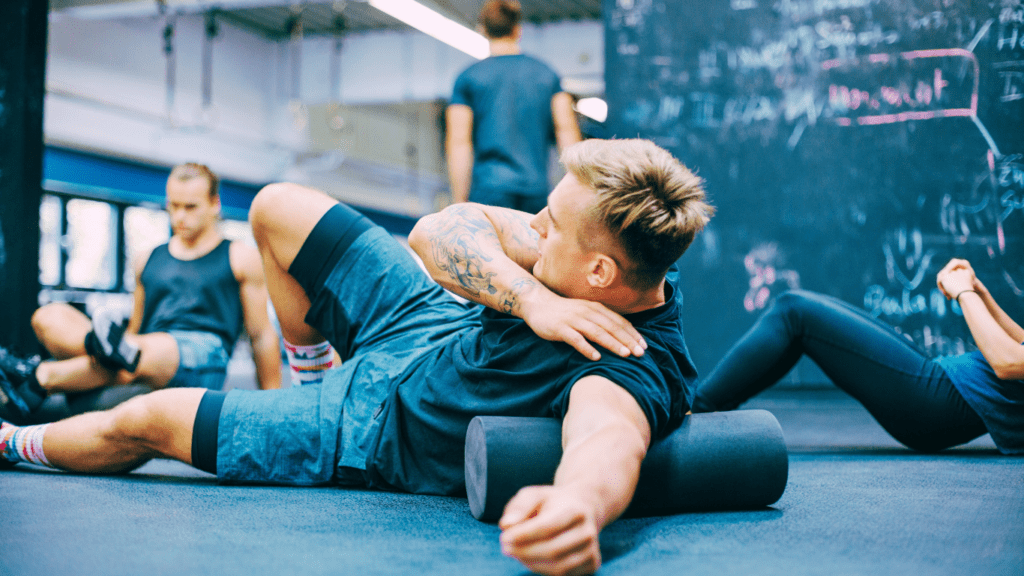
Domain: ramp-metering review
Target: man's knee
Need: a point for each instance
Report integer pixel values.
(270, 203)
(47, 320)
(159, 360)
(150, 421)
(135, 422)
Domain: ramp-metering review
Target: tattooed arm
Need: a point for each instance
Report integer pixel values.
(486, 254)
(482, 253)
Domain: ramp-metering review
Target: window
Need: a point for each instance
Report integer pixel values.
(144, 229)
(51, 220)
(91, 245)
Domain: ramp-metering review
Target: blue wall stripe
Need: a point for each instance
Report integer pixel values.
(96, 176)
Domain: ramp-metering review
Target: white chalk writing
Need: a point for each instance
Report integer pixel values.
(1013, 85)
(1010, 38)
(878, 302)
(801, 9)
(1012, 14)
(912, 262)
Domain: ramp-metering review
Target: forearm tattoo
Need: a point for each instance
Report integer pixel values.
(457, 250)
(511, 298)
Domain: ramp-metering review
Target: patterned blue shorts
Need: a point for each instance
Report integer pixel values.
(202, 360)
(381, 312)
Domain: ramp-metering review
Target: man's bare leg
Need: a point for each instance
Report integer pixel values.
(122, 438)
(280, 229)
(280, 232)
(158, 363)
(112, 441)
(61, 329)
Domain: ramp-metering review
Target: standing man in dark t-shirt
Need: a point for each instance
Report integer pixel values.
(505, 114)
(572, 316)
(193, 295)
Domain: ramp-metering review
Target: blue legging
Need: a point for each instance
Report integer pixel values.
(907, 393)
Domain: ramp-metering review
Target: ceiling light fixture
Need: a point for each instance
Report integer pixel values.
(593, 108)
(434, 24)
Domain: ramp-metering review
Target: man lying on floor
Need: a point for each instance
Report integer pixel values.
(418, 364)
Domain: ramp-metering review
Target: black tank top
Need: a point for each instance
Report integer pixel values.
(200, 294)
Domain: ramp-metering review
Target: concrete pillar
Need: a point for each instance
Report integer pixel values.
(23, 27)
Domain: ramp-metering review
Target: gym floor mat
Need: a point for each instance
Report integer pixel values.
(856, 503)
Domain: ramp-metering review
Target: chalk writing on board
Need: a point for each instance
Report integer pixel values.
(995, 198)
(821, 122)
(934, 342)
(906, 265)
(804, 9)
(1012, 81)
(1011, 184)
(761, 264)
(922, 92)
(1010, 38)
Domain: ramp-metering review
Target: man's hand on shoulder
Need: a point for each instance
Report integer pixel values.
(551, 530)
(578, 323)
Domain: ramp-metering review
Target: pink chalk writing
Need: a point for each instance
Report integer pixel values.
(926, 95)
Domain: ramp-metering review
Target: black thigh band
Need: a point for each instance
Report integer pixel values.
(325, 245)
(204, 431)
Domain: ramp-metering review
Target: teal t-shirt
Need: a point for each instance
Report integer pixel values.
(999, 403)
(513, 130)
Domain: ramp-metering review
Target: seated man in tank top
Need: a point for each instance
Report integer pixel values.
(193, 296)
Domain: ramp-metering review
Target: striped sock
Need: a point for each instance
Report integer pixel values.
(23, 444)
(309, 363)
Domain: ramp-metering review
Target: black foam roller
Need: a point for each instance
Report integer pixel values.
(716, 461)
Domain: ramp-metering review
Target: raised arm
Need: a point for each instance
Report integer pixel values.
(1005, 322)
(485, 254)
(459, 150)
(605, 436)
(997, 336)
(252, 290)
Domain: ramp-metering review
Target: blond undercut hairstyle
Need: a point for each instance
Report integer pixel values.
(190, 171)
(648, 203)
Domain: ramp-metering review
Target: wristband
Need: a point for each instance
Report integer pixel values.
(962, 293)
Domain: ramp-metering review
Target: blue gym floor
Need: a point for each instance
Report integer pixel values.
(856, 503)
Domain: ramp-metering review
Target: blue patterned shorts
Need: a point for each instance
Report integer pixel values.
(381, 312)
(202, 360)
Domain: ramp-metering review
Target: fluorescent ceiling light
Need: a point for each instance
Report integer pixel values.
(593, 108)
(429, 22)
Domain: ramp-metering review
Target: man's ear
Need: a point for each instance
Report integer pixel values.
(602, 272)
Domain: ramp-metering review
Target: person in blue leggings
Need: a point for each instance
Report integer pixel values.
(926, 404)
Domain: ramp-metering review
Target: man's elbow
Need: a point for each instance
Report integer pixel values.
(263, 339)
(1009, 370)
(419, 237)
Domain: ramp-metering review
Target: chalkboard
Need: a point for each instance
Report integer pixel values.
(851, 147)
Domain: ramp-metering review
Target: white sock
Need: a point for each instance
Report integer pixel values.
(23, 444)
(309, 363)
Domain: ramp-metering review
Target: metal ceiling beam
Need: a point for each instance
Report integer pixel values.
(108, 9)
